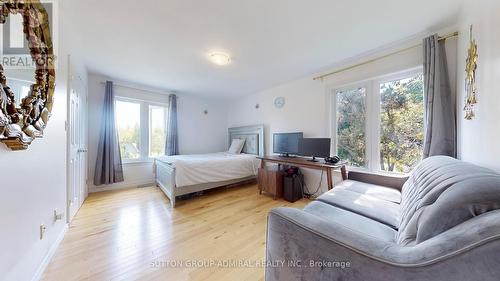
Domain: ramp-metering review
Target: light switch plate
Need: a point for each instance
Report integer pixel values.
(42, 231)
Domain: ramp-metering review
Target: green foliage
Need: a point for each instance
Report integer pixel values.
(157, 142)
(351, 126)
(402, 124)
(129, 139)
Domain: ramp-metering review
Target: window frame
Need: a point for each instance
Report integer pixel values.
(334, 127)
(144, 127)
(150, 127)
(373, 122)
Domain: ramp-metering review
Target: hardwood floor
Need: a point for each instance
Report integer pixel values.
(134, 235)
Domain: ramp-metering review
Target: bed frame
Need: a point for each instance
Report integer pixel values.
(165, 173)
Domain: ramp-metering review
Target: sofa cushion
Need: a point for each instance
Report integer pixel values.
(351, 221)
(380, 210)
(380, 192)
(466, 200)
(443, 192)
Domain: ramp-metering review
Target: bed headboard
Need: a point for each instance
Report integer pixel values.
(254, 138)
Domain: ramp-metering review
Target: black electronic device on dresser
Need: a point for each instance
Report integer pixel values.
(292, 187)
(287, 144)
(315, 147)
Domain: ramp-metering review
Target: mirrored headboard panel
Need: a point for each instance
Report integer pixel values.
(253, 136)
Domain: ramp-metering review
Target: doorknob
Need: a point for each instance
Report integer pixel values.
(82, 150)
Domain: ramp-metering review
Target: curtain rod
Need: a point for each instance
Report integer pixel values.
(321, 77)
(137, 88)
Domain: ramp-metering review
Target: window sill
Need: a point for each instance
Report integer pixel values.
(138, 162)
(379, 173)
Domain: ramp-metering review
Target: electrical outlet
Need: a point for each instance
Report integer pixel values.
(58, 216)
(43, 228)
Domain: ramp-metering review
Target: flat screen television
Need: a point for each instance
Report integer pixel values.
(318, 147)
(287, 144)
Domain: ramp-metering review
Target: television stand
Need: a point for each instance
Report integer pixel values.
(303, 163)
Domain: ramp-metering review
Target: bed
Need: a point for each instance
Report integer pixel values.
(183, 174)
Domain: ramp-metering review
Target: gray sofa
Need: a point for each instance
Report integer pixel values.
(441, 223)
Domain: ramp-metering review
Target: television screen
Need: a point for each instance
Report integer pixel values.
(287, 143)
(315, 147)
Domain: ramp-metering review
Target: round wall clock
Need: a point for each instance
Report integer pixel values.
(279, 102)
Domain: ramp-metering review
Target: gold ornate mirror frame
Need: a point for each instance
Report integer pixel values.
(21, 124)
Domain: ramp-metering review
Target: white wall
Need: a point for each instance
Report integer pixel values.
(198, 132)
(307, 106)
(31, 190)
(33, 185)
(479, 138)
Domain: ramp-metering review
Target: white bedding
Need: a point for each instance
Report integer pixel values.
(212, 167)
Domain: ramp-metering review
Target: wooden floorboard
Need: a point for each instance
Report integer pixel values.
(134, 234)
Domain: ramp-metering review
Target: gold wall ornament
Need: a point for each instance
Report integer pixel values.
(24, 120)
(470, 79)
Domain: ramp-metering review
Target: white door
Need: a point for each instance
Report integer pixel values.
(77, 151)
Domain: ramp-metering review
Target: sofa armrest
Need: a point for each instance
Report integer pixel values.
(396, 181)
(294, 235)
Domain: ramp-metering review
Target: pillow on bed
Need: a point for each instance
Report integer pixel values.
(236, 146)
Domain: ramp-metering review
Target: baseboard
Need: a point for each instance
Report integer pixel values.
(46, 260)
(123, 185)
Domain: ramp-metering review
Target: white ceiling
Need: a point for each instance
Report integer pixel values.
(163, 43)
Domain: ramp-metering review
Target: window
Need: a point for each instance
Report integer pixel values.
(351, 126)
(401, 124)
(157, 130)
(379, 124)
(128, 123)
(141, 129)
(20, 88)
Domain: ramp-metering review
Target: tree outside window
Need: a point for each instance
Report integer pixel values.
(380, 126)
(402, 124)
(351, 126)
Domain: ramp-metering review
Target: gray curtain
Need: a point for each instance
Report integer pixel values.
(440, 102)
(171, 144)
(108, 166)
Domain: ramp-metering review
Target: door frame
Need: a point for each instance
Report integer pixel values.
(83, 106)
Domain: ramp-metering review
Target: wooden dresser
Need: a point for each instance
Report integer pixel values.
(271, 176)
(271, 181)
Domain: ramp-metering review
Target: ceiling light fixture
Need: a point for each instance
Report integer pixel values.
(219, 58)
